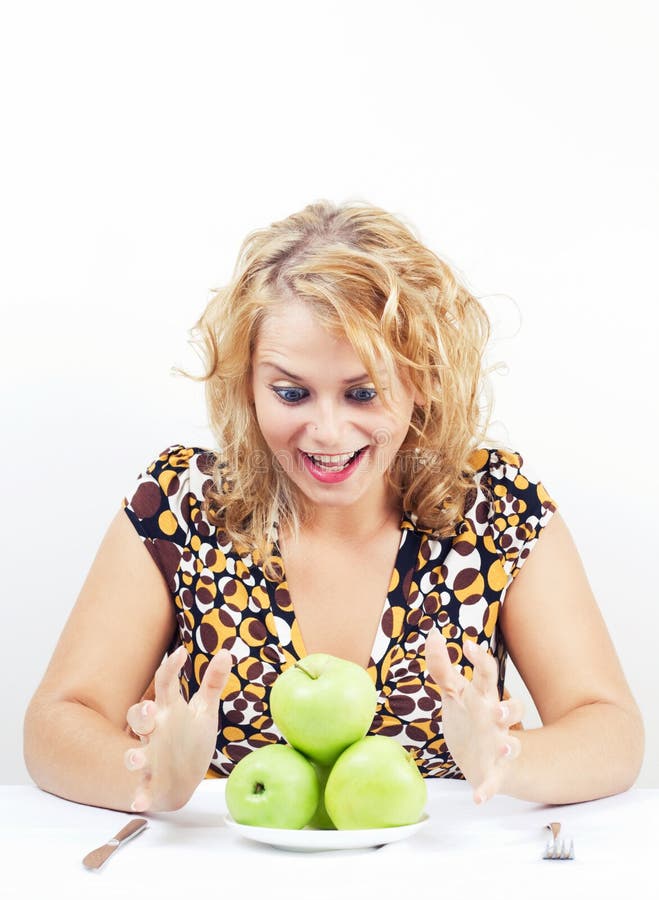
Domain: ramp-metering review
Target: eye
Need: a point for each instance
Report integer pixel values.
(363, 394)
(290, 394)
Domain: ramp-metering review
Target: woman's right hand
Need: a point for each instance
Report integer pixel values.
(178, 738)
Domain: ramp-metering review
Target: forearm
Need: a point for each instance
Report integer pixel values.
(76, 753)
(593, 751)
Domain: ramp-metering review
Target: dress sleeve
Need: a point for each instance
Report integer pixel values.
(158, 506)
(520, 508)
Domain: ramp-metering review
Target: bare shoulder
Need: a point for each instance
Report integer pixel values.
(118, 629)
(555, 632)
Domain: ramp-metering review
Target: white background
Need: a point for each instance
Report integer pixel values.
(143, 140)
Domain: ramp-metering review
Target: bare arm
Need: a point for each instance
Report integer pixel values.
(75, 740)
(591, 742)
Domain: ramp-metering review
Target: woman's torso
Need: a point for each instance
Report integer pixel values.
(224, 599)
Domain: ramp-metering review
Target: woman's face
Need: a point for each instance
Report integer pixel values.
(319, 412)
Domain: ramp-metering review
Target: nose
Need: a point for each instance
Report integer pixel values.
(326, 426)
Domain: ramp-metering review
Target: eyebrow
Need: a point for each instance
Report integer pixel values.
(363, 377)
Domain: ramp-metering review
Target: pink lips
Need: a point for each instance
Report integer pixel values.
(326, 477)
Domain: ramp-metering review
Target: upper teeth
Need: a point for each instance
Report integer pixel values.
(337, 460)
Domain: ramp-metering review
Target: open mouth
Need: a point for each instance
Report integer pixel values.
(333, 463)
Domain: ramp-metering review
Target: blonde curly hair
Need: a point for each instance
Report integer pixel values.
(367, 277)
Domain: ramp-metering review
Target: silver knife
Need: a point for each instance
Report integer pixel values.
(96, 858)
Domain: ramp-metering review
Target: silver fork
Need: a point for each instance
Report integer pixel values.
(558, 848)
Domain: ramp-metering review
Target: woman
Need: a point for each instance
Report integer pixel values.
(351, 510)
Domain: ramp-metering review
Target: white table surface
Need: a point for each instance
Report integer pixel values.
(497, 847)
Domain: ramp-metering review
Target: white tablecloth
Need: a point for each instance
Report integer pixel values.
(192, 853)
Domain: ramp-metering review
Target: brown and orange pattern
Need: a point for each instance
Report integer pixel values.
(223, 599)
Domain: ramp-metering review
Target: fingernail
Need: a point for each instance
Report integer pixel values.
(507, 750)
(145, 709)
(503, 713)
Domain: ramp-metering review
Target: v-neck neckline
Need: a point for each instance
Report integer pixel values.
(289, 635)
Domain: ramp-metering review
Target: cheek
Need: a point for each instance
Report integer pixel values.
(270, 427)
(276, 426)
(393, 430)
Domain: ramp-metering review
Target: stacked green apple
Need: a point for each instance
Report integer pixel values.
(328, 775)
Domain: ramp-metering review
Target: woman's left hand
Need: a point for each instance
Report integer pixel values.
(476, 722)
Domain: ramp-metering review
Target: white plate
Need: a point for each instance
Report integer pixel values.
(307, 839)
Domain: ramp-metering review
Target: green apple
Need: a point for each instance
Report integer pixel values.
(320, 819)
(273, 787)
(375, 783)
(323, 704)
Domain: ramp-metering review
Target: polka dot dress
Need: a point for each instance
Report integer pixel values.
(222, 598)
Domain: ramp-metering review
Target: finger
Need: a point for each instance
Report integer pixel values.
(166, 680)
(487, 789)
(142, 717)
(509, 712)
(134, 760)
(214, 680)
(142, 801)
(486, 672)
(439, 666)
(511, 748)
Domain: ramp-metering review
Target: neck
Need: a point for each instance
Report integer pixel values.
(353, 525)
